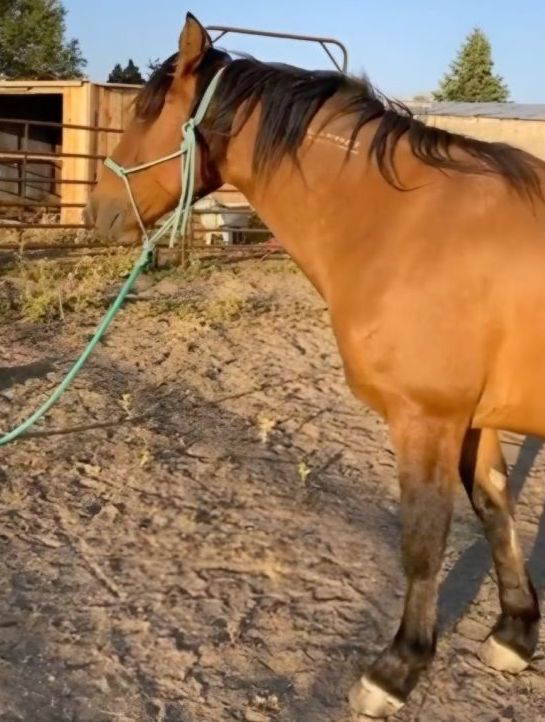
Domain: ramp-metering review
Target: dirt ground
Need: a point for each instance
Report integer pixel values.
(223, 543)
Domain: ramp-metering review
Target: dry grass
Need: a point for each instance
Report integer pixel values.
(44, 290)
(211, 312)
(22, 237)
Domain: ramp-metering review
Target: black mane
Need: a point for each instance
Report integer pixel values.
(291, 97)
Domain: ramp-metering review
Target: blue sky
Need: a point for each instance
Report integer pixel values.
(403, 45)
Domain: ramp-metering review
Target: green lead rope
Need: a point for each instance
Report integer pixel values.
(71, 375)
(176, 224)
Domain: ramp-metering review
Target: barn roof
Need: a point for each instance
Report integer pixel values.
(515, 111)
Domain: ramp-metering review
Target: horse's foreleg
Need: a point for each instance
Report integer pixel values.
(428, 452)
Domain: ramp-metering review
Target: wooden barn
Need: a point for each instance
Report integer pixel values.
(52, 137)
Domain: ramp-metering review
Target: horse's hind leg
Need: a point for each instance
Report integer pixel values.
(428, 453)
(513, 640)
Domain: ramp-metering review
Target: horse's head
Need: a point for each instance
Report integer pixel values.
(163, 106)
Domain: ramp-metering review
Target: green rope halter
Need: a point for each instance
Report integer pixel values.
(176, 224)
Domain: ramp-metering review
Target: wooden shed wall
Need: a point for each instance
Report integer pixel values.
(112, 108)
(107, 106)
(83, 104)
(526, 134)
(76, 111)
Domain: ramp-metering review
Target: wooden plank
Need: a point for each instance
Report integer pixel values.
(76, 110)
(114, 111)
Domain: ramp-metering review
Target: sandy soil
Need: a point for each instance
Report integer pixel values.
(225, 545)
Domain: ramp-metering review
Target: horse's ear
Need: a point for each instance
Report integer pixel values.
(194, 42)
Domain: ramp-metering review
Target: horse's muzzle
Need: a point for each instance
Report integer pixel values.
(111, 219)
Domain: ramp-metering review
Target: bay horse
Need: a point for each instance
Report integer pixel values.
(429, 250)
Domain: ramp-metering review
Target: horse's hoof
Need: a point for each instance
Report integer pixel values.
(498, 655)
(368, 698)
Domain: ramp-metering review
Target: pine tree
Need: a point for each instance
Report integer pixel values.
(116, 76)
(129, 75)
(33, 44)
(471, 78)
(132, 74)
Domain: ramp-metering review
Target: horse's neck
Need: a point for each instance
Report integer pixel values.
(305, 208)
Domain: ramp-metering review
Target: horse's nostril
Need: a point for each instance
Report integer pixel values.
(116, 218)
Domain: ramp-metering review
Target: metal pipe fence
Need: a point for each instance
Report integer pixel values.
(34, 174)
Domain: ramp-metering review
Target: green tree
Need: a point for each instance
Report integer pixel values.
(33, 43)
(116, 76)
(471, 77)
(129, 75)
